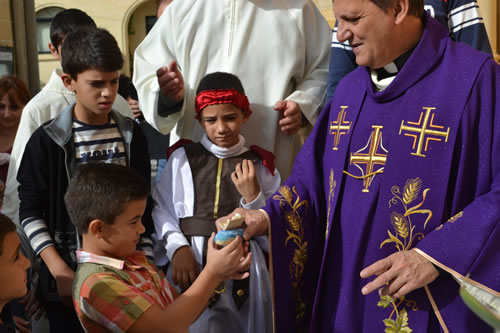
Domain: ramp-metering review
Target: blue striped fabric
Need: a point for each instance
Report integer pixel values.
(98, 143)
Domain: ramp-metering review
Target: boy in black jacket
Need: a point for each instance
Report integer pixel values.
(87, 131)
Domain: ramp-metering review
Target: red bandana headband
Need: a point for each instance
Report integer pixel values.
(221, 96)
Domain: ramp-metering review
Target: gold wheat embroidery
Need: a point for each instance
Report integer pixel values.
(295, 233)
(400, 325)
(333, 184)
(403, 239)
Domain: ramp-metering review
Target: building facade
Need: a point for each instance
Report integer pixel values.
(129, 20)
(18, 54)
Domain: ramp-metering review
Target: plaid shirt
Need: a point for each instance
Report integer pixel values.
(111, 294)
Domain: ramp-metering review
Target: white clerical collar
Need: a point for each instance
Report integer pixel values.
(391, 68)
(220, 152)
(380, 84)
(382, 77)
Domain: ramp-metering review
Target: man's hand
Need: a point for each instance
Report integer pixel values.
(61, 272)
(292, 116)
(32, 305)
(185, 269)
(245, 180)
(22, 325)
(134, 105)
(64, 282)
(256, 222)
(171, 82)
(399, 274)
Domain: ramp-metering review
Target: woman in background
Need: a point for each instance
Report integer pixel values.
(14, 95)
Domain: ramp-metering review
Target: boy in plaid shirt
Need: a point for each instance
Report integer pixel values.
(116, 288)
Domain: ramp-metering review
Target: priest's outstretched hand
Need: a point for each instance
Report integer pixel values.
(256, 221)
(171, 82)
(399, 274)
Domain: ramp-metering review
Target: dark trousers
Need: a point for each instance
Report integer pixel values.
(62, 319)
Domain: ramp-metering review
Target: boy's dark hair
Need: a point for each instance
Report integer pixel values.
(126, 88)
(101, 191)
(90, 48)
(220, 80)
(66, 22)
(6, 227)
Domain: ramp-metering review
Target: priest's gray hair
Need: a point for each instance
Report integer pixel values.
(416, 7)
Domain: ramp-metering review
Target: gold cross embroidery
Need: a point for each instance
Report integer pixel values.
(371, 158)
(339, 127)
(424, 132)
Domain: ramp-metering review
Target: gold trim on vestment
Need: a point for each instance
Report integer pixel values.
(217, 188)
(289, 198)
(453, 272)
(436, 309)
(332, 184)
(271, 267)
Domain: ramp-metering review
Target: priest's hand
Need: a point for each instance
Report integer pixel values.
(244, 178)
(185, 269)
(256, 221)
(399, 274)
(171, 82)
(292, 116)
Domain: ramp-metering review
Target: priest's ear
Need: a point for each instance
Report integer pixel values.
(400, 10)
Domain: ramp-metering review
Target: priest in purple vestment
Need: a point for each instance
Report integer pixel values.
(394, 200)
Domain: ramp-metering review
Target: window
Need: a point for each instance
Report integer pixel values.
(43, 20)
(150, 21)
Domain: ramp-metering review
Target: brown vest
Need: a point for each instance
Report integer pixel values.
(214, 192)
(214, 196)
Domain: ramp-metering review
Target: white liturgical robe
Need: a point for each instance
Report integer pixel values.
(278, 48)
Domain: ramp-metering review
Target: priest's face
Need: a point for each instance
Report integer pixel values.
(222, 123)
(368, 29)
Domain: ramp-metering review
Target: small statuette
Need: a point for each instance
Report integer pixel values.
(237, 221)
(230, 229)
(225, 237)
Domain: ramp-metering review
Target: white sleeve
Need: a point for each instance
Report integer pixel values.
(311, 82)
(27, 125)
(173, 196)
(155, 51)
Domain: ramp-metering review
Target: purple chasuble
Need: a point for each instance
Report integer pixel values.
(413, 166)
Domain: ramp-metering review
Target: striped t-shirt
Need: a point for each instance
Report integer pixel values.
(98, 143)
(93, 143)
